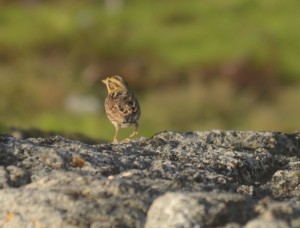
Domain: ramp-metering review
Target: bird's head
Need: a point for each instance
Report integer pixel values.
(115, 84)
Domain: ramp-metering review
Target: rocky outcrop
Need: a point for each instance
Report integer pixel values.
(190, 179)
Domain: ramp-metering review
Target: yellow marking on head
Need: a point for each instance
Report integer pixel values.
(115, 84)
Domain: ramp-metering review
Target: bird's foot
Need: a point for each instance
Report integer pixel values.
(127, 140)
(133, 134)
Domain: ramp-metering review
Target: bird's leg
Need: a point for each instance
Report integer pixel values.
(115, 137)
(135, 130)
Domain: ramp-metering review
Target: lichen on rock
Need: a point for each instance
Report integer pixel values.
(188, 179)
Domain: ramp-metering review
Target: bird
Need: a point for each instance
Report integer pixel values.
(121, 106)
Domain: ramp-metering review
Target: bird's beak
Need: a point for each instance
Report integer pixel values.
(104, 81)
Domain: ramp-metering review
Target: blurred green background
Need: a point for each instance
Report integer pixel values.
(194, 65)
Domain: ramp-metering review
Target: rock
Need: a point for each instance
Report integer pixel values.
(19, 133)
(189, 179)
(286, 183)
(276, 214)
(198, 209)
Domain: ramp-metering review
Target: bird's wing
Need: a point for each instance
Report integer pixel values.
(129, 106)
(124, 107)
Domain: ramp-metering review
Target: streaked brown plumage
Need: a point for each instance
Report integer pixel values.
(121, 107)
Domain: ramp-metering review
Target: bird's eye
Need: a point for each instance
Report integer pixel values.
(111, 87)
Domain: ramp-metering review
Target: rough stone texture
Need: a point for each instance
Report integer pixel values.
(198, 209)
(190, 179)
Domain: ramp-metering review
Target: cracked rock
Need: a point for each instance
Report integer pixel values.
(188, 179)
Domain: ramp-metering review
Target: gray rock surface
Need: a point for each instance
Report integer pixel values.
(191, 179)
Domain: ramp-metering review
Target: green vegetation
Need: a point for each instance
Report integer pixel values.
(195, 65)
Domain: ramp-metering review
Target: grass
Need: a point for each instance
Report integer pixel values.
(91, 125)
(193, 107)
(179, 34)
(218, 106)
(50, 50)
